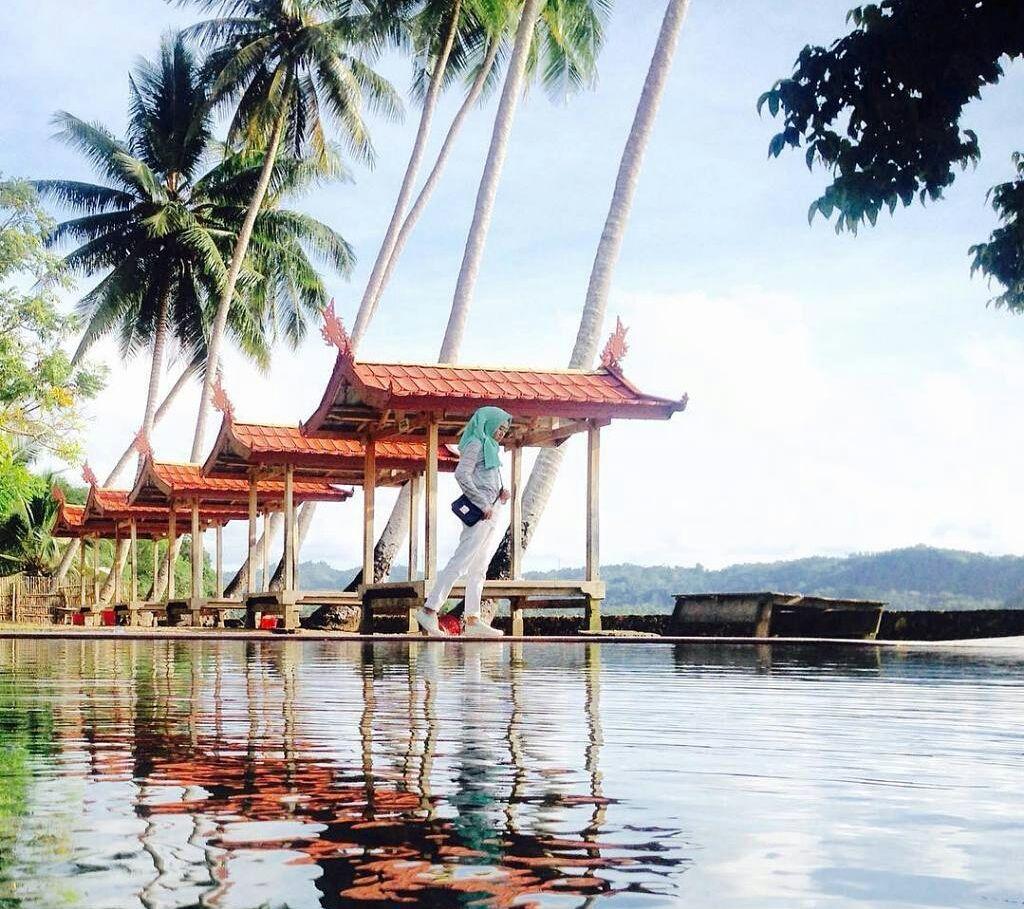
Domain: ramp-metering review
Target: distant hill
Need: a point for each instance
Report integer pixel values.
(917, 578)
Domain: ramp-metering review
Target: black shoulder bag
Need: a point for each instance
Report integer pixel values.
(469, 513)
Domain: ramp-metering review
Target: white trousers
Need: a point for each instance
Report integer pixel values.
(471, 557)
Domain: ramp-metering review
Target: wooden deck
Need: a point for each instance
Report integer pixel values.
(286, 603)
(406, 597)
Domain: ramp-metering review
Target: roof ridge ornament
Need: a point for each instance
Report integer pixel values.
(221, 401)
(89, 476)
(141, 443)
(333, 331)
(616, 348)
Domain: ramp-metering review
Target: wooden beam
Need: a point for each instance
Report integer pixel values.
(114, 567)
(156, 562)
(251, 571)
(172, 536)
(369, 498)
(219, 537)
(265, 550)
(516, 514)
(81, 572)
(415, 493)
(96, 572)
(593, 502)
(196, 552)
(545, 438)
(289, 529)
(430, 496)
(133, 562)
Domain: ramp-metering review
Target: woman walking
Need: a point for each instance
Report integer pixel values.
(479, 477)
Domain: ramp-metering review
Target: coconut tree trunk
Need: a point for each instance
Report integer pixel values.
(156, 368)
(237, 258)
(434, 178)
(542, 477)
(515, 80)
(397, 527)
(419, 146)
(239, 583)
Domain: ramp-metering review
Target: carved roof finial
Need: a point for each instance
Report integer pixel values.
(221, 401)
(88, 475)
(141, 443)
(334, 332)
(616, 348)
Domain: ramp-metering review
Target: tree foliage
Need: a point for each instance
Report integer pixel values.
(41, 391)
(161, 227)
(882, 107)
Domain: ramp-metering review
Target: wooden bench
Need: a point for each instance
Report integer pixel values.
(195, 609)
(406, 597)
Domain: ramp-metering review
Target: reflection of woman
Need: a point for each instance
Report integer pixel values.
(479, 477)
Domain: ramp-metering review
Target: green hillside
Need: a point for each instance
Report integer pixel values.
(917, 578)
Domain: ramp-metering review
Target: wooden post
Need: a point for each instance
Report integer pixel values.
(265, 555)
(172, 536)
(81, 573)
(114, 567)
(593, 503)
(516, 514)
(415, 490)
(156, 562)
(593, 616)
(251, 571)
(289, 529)
(133, 563)
(196, 553)
(96, 573)
(369, 497)
(219, 537)
(430, 517)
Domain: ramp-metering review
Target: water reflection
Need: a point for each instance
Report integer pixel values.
(240, 775)
(293, 774)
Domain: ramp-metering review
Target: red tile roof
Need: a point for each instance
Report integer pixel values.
(569, 393)
(188, 479)
(240, 445)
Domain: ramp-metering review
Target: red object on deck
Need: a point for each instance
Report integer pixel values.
(108, 617)
(77, 619)
(268, 622)
(450, 624)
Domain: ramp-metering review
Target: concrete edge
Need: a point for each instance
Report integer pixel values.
(190, 634)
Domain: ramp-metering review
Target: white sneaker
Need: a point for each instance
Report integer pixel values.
(428, 623)
(481, 629)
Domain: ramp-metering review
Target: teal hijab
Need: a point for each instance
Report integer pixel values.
(481, 428)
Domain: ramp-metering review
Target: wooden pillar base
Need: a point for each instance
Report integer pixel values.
(593, 614)
(516, 606)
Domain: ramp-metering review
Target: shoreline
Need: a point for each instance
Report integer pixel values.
(216, 634)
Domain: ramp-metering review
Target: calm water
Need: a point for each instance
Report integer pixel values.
(175, 774)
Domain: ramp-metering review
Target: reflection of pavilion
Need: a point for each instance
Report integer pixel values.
(374, 825)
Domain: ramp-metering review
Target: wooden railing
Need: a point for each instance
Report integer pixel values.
(25, 598)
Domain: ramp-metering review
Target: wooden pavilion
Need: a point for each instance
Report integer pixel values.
(374, 402)
(183, 488)
(252, 452)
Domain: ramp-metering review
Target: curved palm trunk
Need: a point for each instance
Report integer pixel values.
(542, 478)
(484, 210)
(239, 583)
(387, 246)
(397, 526)
(156, 368)
(434, 178)
(237, 258)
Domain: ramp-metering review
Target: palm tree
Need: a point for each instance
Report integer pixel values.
(283, 65)
(571, 35)
(571, 24)
(164, 228)
(545, 469)
(26, 534)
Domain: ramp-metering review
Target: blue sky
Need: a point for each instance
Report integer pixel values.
(847, 394)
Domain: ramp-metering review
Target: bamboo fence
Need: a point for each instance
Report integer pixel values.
(25, 598)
